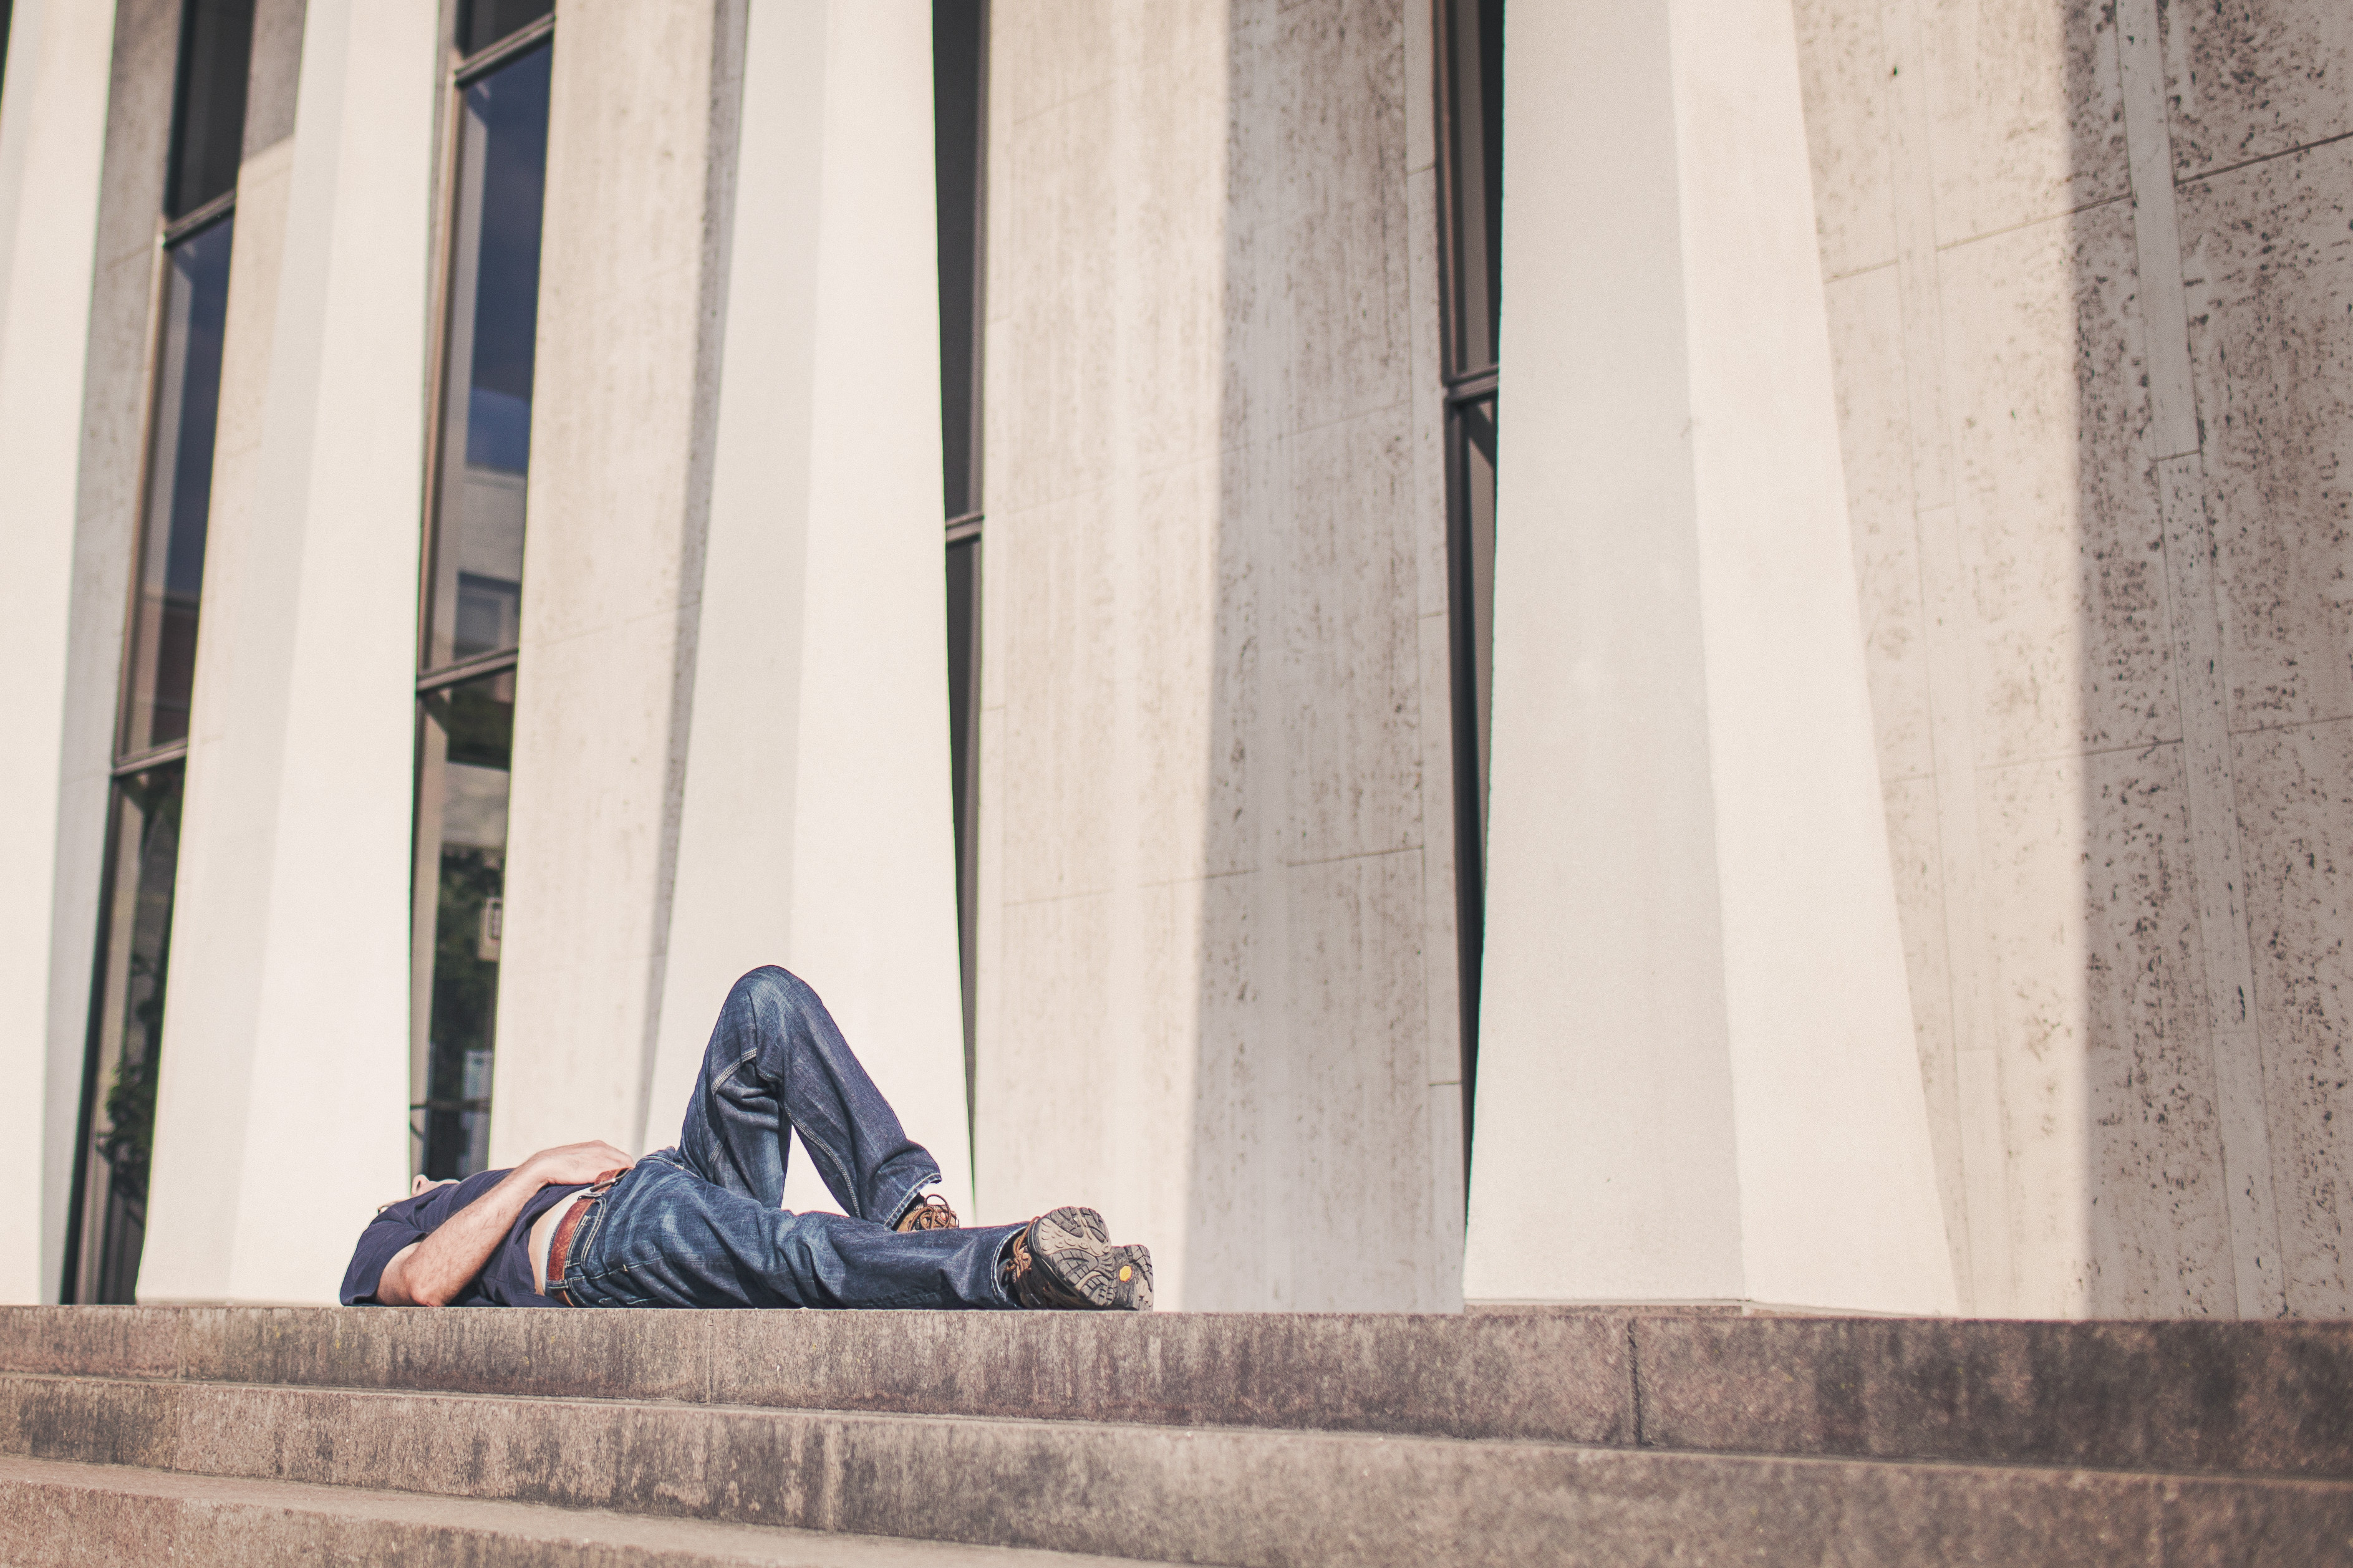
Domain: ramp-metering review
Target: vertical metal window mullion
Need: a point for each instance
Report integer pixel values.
(960, 121)
(1469, 92)
(470, 567)
(187, 313)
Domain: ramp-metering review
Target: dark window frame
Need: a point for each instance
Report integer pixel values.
(434, 680)
(83, 1278)
(239, 18)
(1468, 88)
(960, 40)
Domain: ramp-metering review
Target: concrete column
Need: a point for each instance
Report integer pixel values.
(53, 115)
(640, 157)
(279, 1120)
(1697, 1058)
(816, 828)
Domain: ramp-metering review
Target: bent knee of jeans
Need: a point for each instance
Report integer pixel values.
(773, 983)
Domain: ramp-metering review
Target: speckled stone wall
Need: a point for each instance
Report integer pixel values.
(1216, 976)
(2090, 276)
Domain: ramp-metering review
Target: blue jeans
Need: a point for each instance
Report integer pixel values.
(699, 1225)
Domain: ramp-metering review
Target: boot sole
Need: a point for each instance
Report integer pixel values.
(1073, 1246)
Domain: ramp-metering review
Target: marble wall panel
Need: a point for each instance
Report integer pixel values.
(1058, 605)
(2160, 1235)
(1350, 1128)
(2029, 112)
(1196, 673)
(1429, 393)
(610, 442)
(115, 399)
(2062, 554)
(2099, 1189)
(592, 793)
(1050, 51)
(1205, 633)
(1350, 675)
(1915, 854)
(640, 121)
(1844, 62)
(1042, 1088)
(2115, 1206)
(1337, 68)
(2253, 78)
(1866, 320)
(1173, 175)
(2270, 273)
(1231, 1232)
(137, 127)
(2296, 814)
(1051, 378)
(2033, 816)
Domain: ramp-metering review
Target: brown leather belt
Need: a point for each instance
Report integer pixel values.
(559, 1250)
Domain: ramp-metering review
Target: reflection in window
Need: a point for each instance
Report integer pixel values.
(473, 590)
(208, 121)
(485, 440)
(163, 651)
(959, 146)
(488, 21)
(126, 1035)
(107, 1220)
(1469, 59)
(464, 737)
(1473, 523)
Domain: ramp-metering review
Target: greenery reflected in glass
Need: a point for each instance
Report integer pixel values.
(465, 735)
(103, 1249)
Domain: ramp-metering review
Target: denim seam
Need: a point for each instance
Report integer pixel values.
(733, 1069)
(591, 1225)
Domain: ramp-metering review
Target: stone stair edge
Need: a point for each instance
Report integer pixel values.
(61, 1512)
(1215, 1495)
(2188, 1397)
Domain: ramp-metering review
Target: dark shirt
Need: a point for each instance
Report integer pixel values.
(505, 1280)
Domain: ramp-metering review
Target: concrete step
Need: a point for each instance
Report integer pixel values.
(2271, 1399)
(1252, 1496)
(111, 1516)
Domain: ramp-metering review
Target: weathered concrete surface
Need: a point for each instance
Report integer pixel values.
(1215, 835)
(2088, 269)
(2157, 1397)
(1253, 1498)
(100, 1516)
(2270, 1399)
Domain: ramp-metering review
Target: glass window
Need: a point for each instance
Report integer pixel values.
(964, 757)
(109, 1206)
(465, 734)
(1470, 86)
(209, 122)
(126, 1036)
(959, 85)
(1474, 521)
(960, 141)
(488, 21)
(1470, 90)
(476, 592)
(162, 655)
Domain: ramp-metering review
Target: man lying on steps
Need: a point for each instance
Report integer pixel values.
(699, 1225)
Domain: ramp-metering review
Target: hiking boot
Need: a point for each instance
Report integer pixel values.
(930, 1212)
(1065, 1260)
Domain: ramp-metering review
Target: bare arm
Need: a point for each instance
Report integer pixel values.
(431, 1272)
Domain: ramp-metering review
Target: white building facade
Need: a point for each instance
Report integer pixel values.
(1442, 654)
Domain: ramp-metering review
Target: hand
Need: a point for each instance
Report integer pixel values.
(576, 1163)
(424, 1185)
